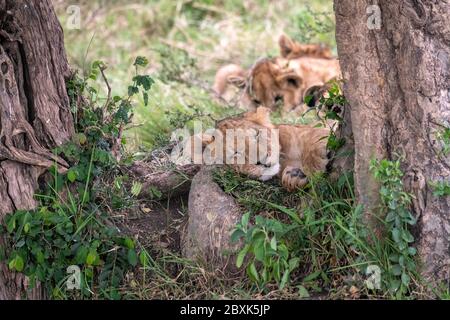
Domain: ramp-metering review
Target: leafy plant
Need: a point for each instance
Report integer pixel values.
(308, 229)
(331, 105)
(71, 225)
(267, 249)
(444, 136)
(398, 221)
(441, 188)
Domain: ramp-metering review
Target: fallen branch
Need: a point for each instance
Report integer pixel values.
(171, 182)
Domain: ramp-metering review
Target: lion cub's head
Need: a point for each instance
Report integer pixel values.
(293, 50)
(249, 143)
(271, 84)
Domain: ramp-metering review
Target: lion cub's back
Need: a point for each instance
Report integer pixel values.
(316, 70)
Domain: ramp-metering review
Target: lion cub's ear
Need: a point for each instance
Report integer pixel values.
(261, 116)
(237, 81)
(286, 45)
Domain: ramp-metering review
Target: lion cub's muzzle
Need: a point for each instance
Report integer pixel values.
(270, 166)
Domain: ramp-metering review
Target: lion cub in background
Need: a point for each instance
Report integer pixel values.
(280, 82)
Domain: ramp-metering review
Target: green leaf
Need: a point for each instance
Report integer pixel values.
(145, 96)
(241, 256)
(395, 285)
(394, 258)
(284, 280)
(293, 264)
(91, 257)
(72, 175)
(277, 270)
(20, 244)
(260, 251)
(412, 251)
(406, 279)
(308, 99)
(145, 81)
(396, 235)
(391, 216)
(312, 276)
(40, 258)
(136, 189)
(11, 224)
(253, 273)
(143, 258)
(407, 236)
(141, 61)
(129, 243)
(81, 255)
(273, 243)
(17, 264)
(302, 292)
(237, 235)
(20, 264)
(397, 270)
(245, 220)
(132, 90)
(132, 257)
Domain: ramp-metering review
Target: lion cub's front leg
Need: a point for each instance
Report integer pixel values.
(293, 178)
(304, 153)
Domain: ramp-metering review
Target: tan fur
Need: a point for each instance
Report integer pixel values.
(303, 149)
(290, 49)
(255, 122)
(270, 83)
(224, 75)
(303, 153)
(315, 71)
(278, 82)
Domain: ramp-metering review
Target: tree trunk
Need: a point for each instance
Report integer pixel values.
(397, 81)
(34, 111)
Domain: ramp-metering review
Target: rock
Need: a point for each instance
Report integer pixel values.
(212, 217)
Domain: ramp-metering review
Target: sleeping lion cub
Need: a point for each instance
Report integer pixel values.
(299, 152)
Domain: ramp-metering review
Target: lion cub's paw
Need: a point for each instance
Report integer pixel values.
(293, 179)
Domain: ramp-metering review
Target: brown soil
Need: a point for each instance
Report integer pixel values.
(159, 225)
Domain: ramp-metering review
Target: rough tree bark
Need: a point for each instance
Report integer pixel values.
(34, 111)
(397, 81)
(171, 183)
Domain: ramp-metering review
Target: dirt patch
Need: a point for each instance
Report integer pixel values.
(158, 225)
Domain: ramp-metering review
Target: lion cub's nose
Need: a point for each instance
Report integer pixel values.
(265, 164)
(297, 173)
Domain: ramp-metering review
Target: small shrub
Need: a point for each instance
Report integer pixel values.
(441, 188)
(444, 136)
(72, 226)
(396, 202)
(266, 245)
